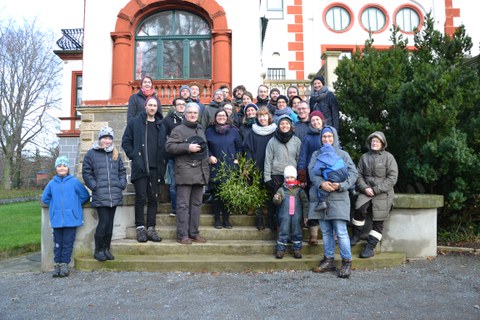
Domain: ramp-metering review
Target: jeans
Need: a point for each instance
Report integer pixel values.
(287, 223)
(146, 189)
(340, 228)
(189, 200)
(63, 239)
(173, 189)
(104, 231)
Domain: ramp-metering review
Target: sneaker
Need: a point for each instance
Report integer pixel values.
(64, 270)
(227, 225)
(297, 254)
(152, 235)
(280, 254)
(321, 206)
(217, 225)
(142, 235)
(56, 270)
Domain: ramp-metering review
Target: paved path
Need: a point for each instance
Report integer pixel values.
(446, 287)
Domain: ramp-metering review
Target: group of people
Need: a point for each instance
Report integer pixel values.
(294, 144)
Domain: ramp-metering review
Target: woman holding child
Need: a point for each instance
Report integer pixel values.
(334, 218)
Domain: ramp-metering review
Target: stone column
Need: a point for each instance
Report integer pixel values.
(221, 58)
(122, 66)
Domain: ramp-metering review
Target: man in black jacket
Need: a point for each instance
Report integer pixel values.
(142, 144)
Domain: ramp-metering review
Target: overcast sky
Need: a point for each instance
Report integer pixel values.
(50, 14)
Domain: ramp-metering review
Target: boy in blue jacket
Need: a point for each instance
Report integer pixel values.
(64, 195)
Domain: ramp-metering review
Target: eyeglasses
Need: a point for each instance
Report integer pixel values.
(192, 112)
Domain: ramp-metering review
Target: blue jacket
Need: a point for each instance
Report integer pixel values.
(64, 197)
(311, 143)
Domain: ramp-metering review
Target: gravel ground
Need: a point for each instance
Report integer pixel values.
(447, 287)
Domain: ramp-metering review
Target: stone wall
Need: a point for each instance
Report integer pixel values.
(68, 146)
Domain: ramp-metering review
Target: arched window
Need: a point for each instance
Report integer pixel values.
(173, 45)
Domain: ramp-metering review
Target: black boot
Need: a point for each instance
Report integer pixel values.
(99, 250)
(326, 265)
(216, 214)
(107, 242)
(226, 219)
(260, 223)
(369, 252)
(356, 234)
(345, 272)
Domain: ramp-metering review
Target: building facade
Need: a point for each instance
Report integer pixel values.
(216, 42)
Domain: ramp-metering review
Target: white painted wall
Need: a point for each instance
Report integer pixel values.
(469, 18)
(100, 19)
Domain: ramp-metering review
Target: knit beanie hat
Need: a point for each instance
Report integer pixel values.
(275, 90)
(62, 160)
(186, 87)
(290, 171)
(105, 132)
(317, 113)
(327, 129)
(282, 97)
(251, 105)
(284, 117)
(321, 78)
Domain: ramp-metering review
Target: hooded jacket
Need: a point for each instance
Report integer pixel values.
(64, 197)
(377, 170)
(338, 201)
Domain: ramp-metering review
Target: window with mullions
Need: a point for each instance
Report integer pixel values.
(373, 19)
(407, 19)
(173, 45)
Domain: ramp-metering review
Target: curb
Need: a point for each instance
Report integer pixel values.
(457, 249)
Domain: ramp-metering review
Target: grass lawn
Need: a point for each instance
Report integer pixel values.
(20, 228)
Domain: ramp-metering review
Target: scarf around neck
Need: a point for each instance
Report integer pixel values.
(222, 128)
(147, 92)
(283, 137)
(264, 131)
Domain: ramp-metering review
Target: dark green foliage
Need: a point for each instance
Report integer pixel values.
(241, 187)
(427, 102)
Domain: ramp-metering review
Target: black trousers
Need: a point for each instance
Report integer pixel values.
(146, 190)
(104, 231)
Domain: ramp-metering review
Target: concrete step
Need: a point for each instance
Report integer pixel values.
(227, 263)
(213, 247)
(206, 219)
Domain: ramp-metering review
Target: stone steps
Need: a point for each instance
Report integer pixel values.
(227, 263)
(242, 248)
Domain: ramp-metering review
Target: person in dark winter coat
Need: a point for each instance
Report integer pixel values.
(249, 118)
(104, 174)
(325, 101)
(303, 123)
(136, 103)
(195, 97)
(187, 142)
(282, 109)
(224, 146)
(212, 108)
(64, 196)
(237, 95)
(255, 146)
(335, 217)
(293, 209)
(311, 143)
(262, 96)
(377, 175)
(172, 120)
(142, 144)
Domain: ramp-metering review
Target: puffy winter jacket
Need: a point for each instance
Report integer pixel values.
(105, 177)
